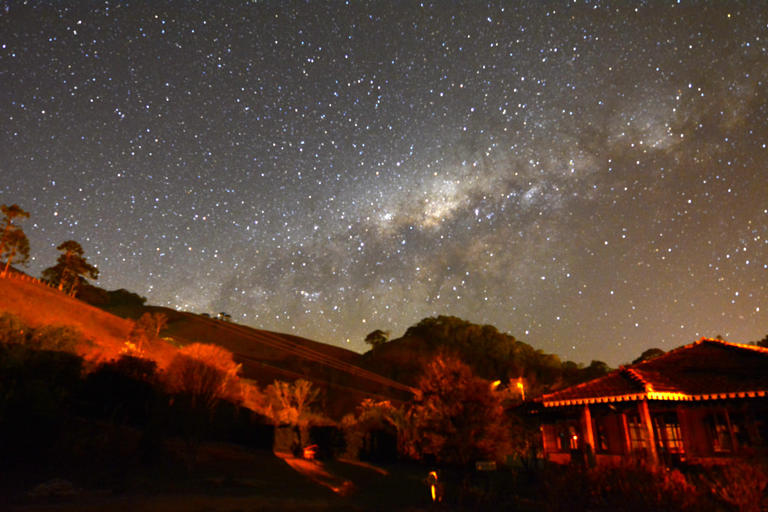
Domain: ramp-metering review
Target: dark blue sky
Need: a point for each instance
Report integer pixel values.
(587, 176)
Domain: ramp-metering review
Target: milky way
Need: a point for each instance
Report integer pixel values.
(587, 176)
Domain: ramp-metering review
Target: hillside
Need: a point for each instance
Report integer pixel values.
(38, 305)
(265, 356)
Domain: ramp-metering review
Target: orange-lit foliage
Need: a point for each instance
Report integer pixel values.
(12, 330)
(147, 329)
(253, 398)
(62, 338)
(371, 416)
(38, 306)
(739, 485)
(291, 403)
(456, 417)
(58, 338)
(204, 373)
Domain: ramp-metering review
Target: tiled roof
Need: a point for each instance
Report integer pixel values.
(704, 370)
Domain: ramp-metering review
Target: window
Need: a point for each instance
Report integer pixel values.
(667, 430)
(636, 433)
(720, 432)
(601, 437)
(568, 438)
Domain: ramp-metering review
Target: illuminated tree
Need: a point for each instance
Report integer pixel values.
(456, 417)
(147, 328)
(15, 245)
(291, 402)
(13, 241)
(71, 268)
(205, 374)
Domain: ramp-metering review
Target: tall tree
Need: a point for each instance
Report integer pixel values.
(456, 416)
(13, 240)
(71, 268)
(15, 244)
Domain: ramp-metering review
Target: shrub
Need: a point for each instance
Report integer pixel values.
(640, 488)
(12, 330)
(60, 338)
(205, 373)
(372, 432)
(738, 485)
(122, 390)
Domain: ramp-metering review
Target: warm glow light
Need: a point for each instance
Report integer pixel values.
(521, 387)
(310, 451)
(432, 479)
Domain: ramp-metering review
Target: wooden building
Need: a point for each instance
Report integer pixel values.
(701, 403)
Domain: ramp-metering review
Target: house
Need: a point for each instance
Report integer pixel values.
(706, 402)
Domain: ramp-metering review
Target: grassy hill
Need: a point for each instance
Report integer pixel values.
(264, 355)
(38, 305)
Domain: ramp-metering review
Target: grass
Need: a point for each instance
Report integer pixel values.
(38, 305)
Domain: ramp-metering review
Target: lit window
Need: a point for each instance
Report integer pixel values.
(667, 429)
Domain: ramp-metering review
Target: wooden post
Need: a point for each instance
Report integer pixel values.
(589, 436)
(625, 431)
(645, 419)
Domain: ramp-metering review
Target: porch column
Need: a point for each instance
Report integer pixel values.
(589, 436)
(645, 419)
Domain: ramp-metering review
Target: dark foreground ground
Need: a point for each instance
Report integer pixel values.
(221, 478)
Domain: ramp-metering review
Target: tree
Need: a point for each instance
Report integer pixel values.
(13, 240)
(15, 244)
(71, 268)
(377, 337)
(651, 353)
(291, 402)
(456, 416)
(147, 328)
(763, 342)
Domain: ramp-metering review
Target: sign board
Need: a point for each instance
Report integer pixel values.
(485, 465)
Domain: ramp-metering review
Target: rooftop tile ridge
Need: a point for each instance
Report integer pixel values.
(637, 377)
(580, 385)
(747, 346)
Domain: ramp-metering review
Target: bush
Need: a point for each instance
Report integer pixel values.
(204, 373)
(12, 330)
(36, 389)
(60, 338)
(122, 390)
(737, 485)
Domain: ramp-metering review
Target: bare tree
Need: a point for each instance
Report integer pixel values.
(291, 402)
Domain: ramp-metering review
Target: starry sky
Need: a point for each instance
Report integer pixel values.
(588, 176)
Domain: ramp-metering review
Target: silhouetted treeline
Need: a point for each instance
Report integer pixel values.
(491, 354)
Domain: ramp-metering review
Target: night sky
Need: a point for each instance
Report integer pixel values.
(590, 177)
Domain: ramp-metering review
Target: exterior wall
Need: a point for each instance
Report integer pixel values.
(711, 432)
(609, 460)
